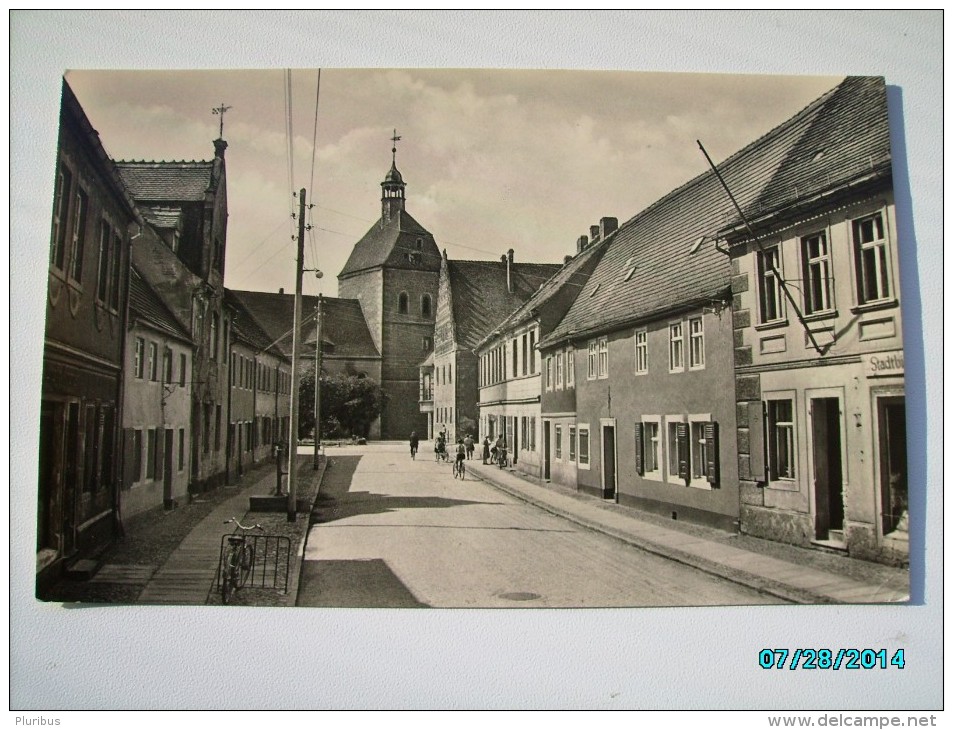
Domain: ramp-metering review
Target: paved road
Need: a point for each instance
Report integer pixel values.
(391, 532)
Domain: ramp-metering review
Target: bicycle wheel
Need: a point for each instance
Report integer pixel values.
(229, 575)
(463, 471)
(247, 561)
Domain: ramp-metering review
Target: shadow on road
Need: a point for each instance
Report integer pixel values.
(353, 584)
(336, 502)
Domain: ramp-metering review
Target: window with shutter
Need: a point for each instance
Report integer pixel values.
(711, 440)
(683, 452)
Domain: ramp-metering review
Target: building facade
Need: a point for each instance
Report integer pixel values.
(819, 343)
(93, 220)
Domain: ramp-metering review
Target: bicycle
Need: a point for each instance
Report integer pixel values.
(501, 460)
(237, 561)
(459, 469)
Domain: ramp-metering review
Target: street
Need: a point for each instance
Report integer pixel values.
(392, 532)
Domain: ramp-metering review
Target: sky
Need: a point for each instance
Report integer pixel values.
(493, 159)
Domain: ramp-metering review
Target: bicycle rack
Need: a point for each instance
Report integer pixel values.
(272, 564)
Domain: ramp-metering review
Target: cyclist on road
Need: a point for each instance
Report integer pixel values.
(414, 443)
(461, 452)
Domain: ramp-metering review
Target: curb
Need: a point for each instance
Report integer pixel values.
(294, 578)
(750, 580)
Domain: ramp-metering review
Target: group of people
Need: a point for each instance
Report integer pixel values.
(465, 447)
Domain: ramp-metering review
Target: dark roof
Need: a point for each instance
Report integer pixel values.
(390, 244)
(849, 137)
(147, 305)
(480, 297)
(162, 217)
(167, 181)
(572, 276)
(344, 329)
(245, 327)
(658, 240)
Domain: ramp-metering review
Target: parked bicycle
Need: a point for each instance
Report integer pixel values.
(237, 560)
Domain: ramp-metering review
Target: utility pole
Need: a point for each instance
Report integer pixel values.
(295, 398)
(317, 384)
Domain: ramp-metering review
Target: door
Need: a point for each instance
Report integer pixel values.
(828, 475)
(546, 456)
(892, 423)
(516, 445)
(608, 462)
(167, 472)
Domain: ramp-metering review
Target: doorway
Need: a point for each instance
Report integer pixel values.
(608, 462)
(892, 425)
(828, 472)
(516, 445)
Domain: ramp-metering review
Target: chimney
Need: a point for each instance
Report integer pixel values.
(608, 225)
(281, 290)
(582, 243)
(566, 259)
(594, 233)
(507, 259)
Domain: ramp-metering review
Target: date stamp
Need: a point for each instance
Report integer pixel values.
(829, 659)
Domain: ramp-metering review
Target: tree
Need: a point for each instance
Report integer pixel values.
(349, 404)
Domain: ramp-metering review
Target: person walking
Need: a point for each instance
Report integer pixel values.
(486, 449)
(414, 443)
(468, 443)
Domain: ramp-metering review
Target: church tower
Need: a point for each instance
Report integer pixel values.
(393, 272)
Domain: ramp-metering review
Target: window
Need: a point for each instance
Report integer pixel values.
(181, 449)
(676, 347)
(816, 256)
(584, 446)
(648, 448)
(549, 372)
(873, 268)
(64, 184)
(79, 235)
(532, 433)
(153, 362)
(167, 366)
(592, 360)
(515, 358)
(532, 351)
(525, 355)
(769, 284)
(641, 352)
(570, 368)
(703, 448)
(559, 370)
(420, 244)
(604, 357)
(696, 343)
(425, 344)
(425, 306)
(558, 442)
(182, 366)
(677, 447)
(116, 267)
(780, 428)
(572, 443)
(403, 301)
(102, 274)
(218, 428)
(140, 356)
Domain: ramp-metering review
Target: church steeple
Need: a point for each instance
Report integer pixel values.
(392, 189)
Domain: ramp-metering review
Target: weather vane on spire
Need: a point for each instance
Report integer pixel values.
(393, 150)
(220, 112)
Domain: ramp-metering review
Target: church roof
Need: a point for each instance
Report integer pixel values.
(480, 296)
(148, 305)
(344, 329)
(394, 244)
(167, 181)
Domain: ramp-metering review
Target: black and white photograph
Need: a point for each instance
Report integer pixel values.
(532, 345)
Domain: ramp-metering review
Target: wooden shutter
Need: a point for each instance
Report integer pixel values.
(681, 432)
(639, 453)
(159, 455)
(711, 441)
(756, 441)
(128, 458)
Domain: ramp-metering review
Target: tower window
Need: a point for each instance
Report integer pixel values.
(425, 306)
(420, 244)
(403, 303)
